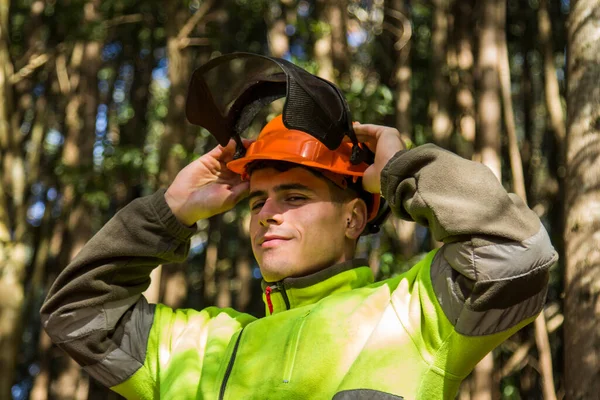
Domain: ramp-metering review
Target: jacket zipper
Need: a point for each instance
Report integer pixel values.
(230, 366)
(284, 294)
(277, 286)
(293, 349)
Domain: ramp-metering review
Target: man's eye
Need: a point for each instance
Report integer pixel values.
(294, 198)
(257, 205)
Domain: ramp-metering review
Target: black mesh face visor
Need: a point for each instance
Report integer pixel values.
(227, 93)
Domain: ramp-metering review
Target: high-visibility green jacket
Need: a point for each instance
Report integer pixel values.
(333, 334)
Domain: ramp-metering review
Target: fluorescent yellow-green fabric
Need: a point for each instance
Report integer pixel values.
(390, 336)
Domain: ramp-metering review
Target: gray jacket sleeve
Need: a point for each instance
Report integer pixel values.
(492, 271)
(95, 310)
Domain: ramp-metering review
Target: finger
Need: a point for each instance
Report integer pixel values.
(228, 152)
(376, 131)
(367, 129)
(229, 149)
(371, 180)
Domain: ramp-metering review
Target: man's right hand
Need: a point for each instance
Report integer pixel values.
(206, 187)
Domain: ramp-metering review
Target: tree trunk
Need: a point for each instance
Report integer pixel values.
(489, 109)
(325, 46)
(80, 122)
(527, 99)
(545, 357)
(556, 122)
(516, 165)
(397, 15)
(441, 123)
(177, 140)
(337, 16)
(488, 141)
(211, 258)
(582, 205)
(132, 135)
(465, 91)
(279, 43)
(243, 276)
(397, 20)
(15, 233)
(518, 184)
(10, 300)
(482, 385)
(551, 89)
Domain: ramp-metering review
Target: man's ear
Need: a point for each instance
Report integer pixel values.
(356, 219)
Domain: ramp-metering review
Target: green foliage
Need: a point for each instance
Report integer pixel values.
(370, 101)
(99, 199)
(394, 264)
(319, 29)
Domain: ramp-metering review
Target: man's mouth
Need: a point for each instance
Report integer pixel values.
(272, 240)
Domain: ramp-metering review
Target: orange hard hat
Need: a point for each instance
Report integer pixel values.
(276, 142)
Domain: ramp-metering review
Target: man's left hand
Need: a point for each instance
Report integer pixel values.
(385, 142)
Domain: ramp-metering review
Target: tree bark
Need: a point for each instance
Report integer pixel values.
(132, 136)
(397, 14)
(11, 298)
(337, 15)
(397, 20)
(488, 141)
(516, 165)
(441, 123)
(279, 43)
(16, 239)
(582, 205)
(482, 385)
(551, 89)
(178, 139)
(465, 91)
(518, 184)
(489, 109)
(331, 48)
(77, 157)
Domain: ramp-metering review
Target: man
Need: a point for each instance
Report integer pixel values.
(330, 331)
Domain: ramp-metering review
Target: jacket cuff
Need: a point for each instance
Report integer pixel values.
(167, 219)
(388, 188)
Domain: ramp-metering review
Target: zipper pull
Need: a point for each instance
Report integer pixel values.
(268, 291)
(281, 288)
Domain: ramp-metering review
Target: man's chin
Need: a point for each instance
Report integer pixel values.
(275, 268)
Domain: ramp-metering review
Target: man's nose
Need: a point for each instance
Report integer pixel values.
(270, 213)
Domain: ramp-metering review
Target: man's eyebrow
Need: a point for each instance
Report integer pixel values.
(255, 193)
(280, 188)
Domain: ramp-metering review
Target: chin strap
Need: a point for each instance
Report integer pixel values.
(240, 150)
(360, 152)
(375, 225)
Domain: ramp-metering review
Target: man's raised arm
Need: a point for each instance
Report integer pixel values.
(492, 271)
(95, 310)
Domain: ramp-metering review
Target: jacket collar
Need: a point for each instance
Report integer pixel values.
(296, 292)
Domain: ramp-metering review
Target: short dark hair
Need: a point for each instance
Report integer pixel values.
(338, 195)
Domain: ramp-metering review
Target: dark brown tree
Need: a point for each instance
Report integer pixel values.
(488, 140)
(331, 48)
(439, 105)
(582, 216)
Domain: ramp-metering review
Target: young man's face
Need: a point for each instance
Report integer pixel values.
(295, 227)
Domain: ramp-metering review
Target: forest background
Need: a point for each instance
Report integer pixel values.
(92, 100)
